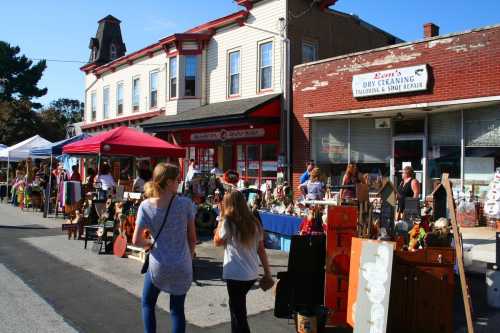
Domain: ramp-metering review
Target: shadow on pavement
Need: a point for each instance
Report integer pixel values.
(23, 227)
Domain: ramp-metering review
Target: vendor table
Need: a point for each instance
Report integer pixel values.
(91, 234)
(283, 226)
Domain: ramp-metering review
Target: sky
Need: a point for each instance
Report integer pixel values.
(61, 30)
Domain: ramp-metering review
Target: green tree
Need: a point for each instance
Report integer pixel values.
(57, 116)
(17, 121)
(20, 75)
(71, 108)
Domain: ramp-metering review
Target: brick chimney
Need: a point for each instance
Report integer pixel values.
(431, 30)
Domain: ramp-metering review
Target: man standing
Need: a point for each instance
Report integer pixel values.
(305, 176)
(216, 171)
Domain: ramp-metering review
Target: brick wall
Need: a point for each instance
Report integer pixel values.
(461, 66)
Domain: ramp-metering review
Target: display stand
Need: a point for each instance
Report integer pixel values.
(459, 254)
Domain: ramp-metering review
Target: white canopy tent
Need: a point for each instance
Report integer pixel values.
(21, 151)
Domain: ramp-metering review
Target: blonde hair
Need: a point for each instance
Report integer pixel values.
(409, 171)
(315, 174)
(241, 223)
(162, 173)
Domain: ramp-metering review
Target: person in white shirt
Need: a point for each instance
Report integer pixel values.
(139, 182)
(190, 171)
(216, 171)
(106, 179)
(242, 236)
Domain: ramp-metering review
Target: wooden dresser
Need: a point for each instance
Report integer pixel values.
(422, 290)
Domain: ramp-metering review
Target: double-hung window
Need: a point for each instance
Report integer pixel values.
(265, 65)
(309, 52)
(153, 89)
(93, 106)
(172, 72)
(191, 66)
(136, 94)
(234, 73)
(105, 103)
(119, 98)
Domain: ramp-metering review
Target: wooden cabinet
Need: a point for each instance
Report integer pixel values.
(422, 290)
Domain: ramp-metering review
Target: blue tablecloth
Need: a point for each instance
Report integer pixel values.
(280, 224)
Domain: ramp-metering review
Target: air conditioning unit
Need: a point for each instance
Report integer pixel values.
(383, 123)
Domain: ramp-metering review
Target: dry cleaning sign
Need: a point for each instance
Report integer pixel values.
(393, 81)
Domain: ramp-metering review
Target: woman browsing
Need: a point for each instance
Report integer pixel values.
(408, 188)
(170, 264)
(351, 178)
(242, 237)
(313, 188)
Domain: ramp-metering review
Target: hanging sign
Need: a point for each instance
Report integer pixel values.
(224, 135)
(393, 81)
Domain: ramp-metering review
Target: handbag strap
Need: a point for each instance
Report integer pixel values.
(164, 221)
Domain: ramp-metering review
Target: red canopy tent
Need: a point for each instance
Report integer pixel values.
(124, 141)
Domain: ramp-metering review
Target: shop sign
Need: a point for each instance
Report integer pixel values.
(393, 81)
(224, 135)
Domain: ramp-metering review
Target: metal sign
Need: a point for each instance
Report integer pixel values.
(393, 81)
(224, 135)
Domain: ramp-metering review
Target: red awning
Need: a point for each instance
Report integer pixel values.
(125, 141)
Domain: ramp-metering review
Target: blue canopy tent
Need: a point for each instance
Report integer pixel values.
(51, 150)
(55, 149)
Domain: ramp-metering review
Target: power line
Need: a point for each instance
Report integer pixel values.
(84, 62)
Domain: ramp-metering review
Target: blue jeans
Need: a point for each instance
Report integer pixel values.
(149, 297)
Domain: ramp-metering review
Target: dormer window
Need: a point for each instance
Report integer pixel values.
(112, 52)
(94, 53)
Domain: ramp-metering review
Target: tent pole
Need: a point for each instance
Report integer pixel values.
(8, 171)
(48, 190)
(99, 163)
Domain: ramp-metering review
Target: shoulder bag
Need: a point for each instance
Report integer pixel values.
(145, 266)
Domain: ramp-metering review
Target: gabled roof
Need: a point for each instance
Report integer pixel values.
(215, 112)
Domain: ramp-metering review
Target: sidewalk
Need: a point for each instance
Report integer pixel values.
(483, 251)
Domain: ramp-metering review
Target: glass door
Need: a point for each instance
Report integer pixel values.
(408, 152)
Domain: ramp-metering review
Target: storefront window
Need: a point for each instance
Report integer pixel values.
(269, 161)
(444, 159)
(482, 147)
(257, 163)
(206, 159)
(330, 141)
(444, 144)
(241, 165)
(253, 163)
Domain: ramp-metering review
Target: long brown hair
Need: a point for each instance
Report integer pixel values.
(242, 224)
(350, 170)
(162, 173)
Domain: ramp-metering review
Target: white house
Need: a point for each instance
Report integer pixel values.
(221, 89)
